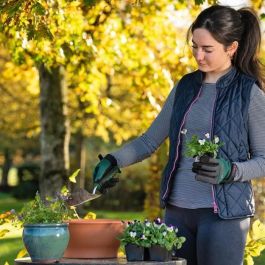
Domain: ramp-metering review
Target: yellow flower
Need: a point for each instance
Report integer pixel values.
(91, 216)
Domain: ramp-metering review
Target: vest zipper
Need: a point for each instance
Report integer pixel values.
(215, 206)
(178, 142)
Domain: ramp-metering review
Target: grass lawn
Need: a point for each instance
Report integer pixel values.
(7, 203)
(11, 244)
(9, 248)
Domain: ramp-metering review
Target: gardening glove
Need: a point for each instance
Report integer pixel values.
(213, 170)
(104, 173)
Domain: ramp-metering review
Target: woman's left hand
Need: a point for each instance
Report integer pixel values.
(213, 170)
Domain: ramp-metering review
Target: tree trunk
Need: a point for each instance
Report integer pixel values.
(55, 134)
(152, 187)
(81, 159)
(6, 167)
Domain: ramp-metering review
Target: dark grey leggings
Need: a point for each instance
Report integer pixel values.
(210, 240)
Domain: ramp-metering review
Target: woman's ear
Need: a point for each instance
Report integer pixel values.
(232, 48)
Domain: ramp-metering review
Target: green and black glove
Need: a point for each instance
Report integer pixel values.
(104, 173)
(213, 170)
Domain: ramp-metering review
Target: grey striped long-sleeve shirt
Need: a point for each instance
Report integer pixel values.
(186, 191)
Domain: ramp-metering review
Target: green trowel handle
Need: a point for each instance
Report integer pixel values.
(108, 176)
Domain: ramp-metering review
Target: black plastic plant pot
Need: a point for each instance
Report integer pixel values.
(158, 253)
(146, 254)
(134, 252)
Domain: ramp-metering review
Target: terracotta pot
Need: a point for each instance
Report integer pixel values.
(93, 238)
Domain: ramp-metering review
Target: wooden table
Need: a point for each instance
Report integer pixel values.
(119, 261)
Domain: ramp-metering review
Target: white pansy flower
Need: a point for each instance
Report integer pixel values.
(143, 237)
(148, 224)
(207, 135)
(170, 229)
(216, 139)
(201, 142)
(184, 131)
(164, 233)
(133, 234)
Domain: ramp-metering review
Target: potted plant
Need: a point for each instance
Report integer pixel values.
(155, 238)
(163, 240)
(134, 241)
(93, 238)
(196, 147)
(104, 233)
(61, 213)
(45, 230)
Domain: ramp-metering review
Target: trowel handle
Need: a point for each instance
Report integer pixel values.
(108, 175)
(100, 156)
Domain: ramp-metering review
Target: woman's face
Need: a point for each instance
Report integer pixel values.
(210, 55)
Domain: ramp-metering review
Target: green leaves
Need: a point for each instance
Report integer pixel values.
(26, 17)
(43, 32)
(44, 211)
(199, 2)
(90, 2)
(38, 9)
(146, 234)
(198, 147)
(133, 233)
(11, 7)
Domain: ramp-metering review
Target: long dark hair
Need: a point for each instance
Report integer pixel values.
(227, 25)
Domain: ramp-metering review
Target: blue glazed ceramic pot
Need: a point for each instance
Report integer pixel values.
(46, 242)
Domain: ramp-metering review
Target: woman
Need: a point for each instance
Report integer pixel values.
(210, 201)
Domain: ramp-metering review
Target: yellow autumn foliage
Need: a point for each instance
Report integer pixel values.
(255, 242)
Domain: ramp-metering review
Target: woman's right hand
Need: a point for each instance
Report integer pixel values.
(104, 173)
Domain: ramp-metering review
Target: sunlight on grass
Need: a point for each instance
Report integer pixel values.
(12, 177)
(9, 249)
(14, 233)
(9, 245)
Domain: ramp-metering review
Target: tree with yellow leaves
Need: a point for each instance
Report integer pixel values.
(77, 38)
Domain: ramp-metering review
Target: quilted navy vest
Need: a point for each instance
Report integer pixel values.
(229, 123)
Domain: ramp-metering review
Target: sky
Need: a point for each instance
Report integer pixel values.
(235, 3)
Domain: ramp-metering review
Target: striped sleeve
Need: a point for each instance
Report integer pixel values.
(255, 166)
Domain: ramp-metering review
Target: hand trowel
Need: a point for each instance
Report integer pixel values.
(82, 196)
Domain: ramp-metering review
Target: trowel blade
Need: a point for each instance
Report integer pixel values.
(81, 196)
